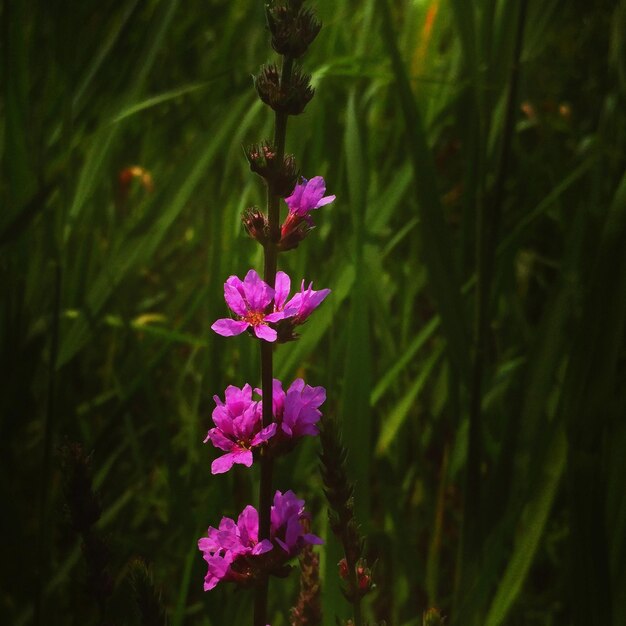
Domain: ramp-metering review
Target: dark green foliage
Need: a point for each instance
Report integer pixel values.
(123, 185)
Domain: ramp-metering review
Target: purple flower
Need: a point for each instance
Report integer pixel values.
(248, 300)
(233, 551)
(308, 196)
(297, 411)
(289, 523)
(238, 428)
(301, 305)
(225, 549)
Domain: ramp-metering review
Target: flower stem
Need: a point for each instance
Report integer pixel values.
(267, 374)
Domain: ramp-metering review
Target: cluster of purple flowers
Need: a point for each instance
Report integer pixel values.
(230, 549)
(239, 422)
(233, 551)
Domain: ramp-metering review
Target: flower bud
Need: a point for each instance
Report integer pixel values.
(281, 178)
(293, 29)
(291, 98)
(293, 230)
(363, 577)
(255, 223)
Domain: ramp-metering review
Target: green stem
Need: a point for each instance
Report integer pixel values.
(267, 375)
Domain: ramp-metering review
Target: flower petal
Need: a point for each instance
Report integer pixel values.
(313, 192)
(217, 438)
(262, 547)
(223, 463)
(228, 327)
(248, 524)
(262, 331)
(295, 199)
(264, 435)
(324, 201)
(313, 539)
(276, 317)
(258, 293)
(233, 289)
(282, 287)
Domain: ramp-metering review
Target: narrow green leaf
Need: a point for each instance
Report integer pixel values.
(133, 252)
(436, 243)
(153, 101)
(529, 532)
(393, 423)
(392, 374)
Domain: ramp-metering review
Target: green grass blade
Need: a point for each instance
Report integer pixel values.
(392, 375)
(436, 244)
(529, 532)
(393, 423)
(131, 253)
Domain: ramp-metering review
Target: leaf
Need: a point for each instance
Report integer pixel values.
(395, 420)
(529, 531)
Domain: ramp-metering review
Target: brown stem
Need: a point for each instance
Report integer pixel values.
(267, 375)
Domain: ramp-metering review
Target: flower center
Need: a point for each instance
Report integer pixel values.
(254, 317)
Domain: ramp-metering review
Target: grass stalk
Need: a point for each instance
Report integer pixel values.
(487, 223)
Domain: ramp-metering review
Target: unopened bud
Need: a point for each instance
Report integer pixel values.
(363, 577)
(293, 29)
(255, 223)
(293, 230)
(281, 177)
(291, 98)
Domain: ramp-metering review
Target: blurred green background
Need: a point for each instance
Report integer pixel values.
(473, 346)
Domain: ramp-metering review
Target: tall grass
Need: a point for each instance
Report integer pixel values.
(108, 294)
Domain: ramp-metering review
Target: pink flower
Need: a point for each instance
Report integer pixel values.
(225, 549)
(303, 303)
(289, 523)
(297, 411)
(307, 196)
(233, 551)
(238, 428)
(248, 299)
